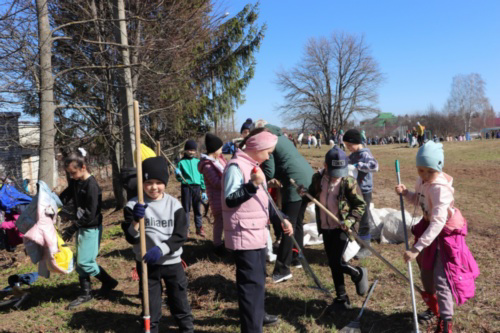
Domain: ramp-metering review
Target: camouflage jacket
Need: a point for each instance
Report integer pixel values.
(351, 204)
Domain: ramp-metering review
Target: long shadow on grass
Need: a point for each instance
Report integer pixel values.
(224, 289)
(127, 254)
(196, 250)
(292, 309)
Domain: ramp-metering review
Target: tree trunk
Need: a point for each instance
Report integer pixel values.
(47, 107)
(118, 190)
(214, 100)
(125, 82)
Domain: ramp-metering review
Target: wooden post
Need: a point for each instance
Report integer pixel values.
(158, 148)
(140, 196)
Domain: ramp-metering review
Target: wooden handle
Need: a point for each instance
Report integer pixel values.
(140, 196)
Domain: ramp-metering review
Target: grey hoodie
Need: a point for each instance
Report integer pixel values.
(166, 227)
(366, 164)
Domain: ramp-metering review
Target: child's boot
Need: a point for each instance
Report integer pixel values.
(200, 232)
(361, 281)
(444, 326)
(108, 283)
(86, 293)
(426, 316)
(341, 303)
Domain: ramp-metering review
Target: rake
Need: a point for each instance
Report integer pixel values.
(355, 325)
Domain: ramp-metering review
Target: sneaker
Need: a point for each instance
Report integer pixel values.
(361, 281)
(426, 316)
(200, 232)
(270, 320)
(363, 253)
(296, 263)
(444, 326)
(277, 278)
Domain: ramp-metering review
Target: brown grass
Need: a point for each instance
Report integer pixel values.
(476, 169)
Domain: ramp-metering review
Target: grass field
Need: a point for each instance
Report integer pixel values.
(475, 167)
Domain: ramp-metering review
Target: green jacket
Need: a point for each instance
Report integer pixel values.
(351, 204)
(189, 170)
(286, 162)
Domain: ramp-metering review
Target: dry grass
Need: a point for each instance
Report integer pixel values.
(476, 168)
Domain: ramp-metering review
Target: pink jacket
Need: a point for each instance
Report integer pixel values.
(459, 265)
(213, 181)
(245, 225)
(436, 200)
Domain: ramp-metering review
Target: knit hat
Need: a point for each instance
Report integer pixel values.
(246, 125)
(212, 142)
(431, 155)
(190, 145)
(352, 136)
(155, 168)
(336, 162)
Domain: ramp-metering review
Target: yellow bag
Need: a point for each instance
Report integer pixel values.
(146, 152)
(64, 260)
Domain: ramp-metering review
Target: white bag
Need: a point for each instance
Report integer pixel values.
(351, 250)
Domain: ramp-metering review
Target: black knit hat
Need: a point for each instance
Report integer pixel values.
(352, 136)
(190, 145)
(155, 168)
(246, 125)
(212, 142)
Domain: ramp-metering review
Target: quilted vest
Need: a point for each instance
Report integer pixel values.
(245, 225)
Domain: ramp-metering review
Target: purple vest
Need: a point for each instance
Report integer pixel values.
(245, 225)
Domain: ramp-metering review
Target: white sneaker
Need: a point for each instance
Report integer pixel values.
(277, 278)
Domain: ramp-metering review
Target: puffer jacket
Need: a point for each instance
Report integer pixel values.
(213, 181)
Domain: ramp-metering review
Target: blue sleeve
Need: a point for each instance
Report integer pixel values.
(367, 163)
(235, 191)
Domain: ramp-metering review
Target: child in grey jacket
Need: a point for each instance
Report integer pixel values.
(166, 231)
(366, 164)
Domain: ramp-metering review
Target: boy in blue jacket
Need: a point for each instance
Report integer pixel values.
(366, 164)
(193, 185)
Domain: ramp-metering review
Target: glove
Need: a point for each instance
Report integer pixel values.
(348, 223)
(139, 211)
(177, 171)
(204, 196)
(69, 232)
(301, 190)
(153, 255)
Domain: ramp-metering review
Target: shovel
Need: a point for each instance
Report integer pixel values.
(355, 325)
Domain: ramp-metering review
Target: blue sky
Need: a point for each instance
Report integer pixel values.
(419, 45)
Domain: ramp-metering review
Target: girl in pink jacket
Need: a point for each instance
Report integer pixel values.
(246, 213)
(447, 267)
(211, 167)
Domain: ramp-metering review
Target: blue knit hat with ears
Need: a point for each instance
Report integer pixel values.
(431, 155)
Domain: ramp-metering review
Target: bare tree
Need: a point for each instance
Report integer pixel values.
(467, 97)
(336, 79)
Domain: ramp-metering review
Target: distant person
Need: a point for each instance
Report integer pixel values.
(299, 139)
(314, 141)
(309, 140)
(420, 134)
(498, 135)
(318, 138)
(341, 140)
(334, 137)
(363, 137)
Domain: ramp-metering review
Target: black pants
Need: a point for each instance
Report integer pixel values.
(335, 242)
(420, 140)
(364, 224)
(295, 212)
(188, 196)
(176, 286)
(251, 283)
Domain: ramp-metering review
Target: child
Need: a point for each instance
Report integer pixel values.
(337, 192)
(246, 212)
(447, 266)
(341, 139)
(166, 231)
(86, 195)
(193, 189)
(211, 167)
(366, 164)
